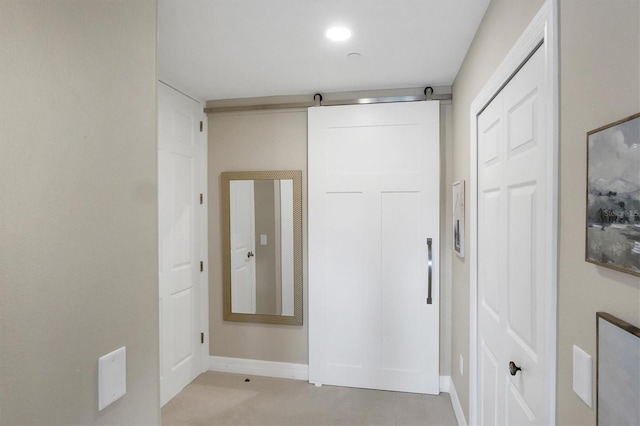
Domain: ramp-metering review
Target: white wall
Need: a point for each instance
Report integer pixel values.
(78, 209)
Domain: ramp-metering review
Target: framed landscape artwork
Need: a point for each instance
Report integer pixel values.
(458, 218)
(613, 196)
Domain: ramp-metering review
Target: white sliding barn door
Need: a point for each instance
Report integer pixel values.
(513, 252)
(373, 203)
(181, 228)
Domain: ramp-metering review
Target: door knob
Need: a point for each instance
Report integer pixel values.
(250, 254)
(513, 368)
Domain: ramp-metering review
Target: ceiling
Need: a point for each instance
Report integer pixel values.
(223, 49)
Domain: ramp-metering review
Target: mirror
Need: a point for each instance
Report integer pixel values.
(262, 246)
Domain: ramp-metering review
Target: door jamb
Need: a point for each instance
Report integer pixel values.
(543, 28)
(204, 276)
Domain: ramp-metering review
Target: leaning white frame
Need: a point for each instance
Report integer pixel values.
(543, 28)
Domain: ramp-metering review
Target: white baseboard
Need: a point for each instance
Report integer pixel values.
(446, 385)
(256, 367)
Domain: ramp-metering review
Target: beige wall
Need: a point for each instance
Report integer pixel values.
(252, 141)
(600, 84)
(78, 209)
(501, 26)
(446, 241)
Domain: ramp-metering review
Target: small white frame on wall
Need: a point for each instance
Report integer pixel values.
(458, 218)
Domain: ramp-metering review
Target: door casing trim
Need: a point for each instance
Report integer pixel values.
(542, 29)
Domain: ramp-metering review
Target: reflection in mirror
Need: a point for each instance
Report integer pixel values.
(261, 246)
(262, 238)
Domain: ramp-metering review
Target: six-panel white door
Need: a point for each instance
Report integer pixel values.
(181, 230)
(513, 254)
(373, 203)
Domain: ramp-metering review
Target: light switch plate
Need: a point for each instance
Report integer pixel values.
(583, 375)
(112, 377)
(263, 239)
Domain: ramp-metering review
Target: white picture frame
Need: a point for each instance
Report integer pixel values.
(458, 226)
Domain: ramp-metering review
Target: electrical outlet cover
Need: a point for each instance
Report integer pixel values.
(112, 377)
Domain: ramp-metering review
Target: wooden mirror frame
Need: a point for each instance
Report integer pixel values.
(296, 177)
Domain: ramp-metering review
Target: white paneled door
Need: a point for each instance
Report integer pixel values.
(181, 228)
(373, 205)
(243, 263)
(513, 252)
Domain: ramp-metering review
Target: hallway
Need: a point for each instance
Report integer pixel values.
(227, 399)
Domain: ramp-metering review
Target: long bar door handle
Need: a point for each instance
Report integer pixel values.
(430, 265)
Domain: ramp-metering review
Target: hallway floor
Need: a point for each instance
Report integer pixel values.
(227, 399)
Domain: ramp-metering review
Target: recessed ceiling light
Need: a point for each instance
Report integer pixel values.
(338, 33)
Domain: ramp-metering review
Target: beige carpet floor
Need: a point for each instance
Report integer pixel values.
(227, 399)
